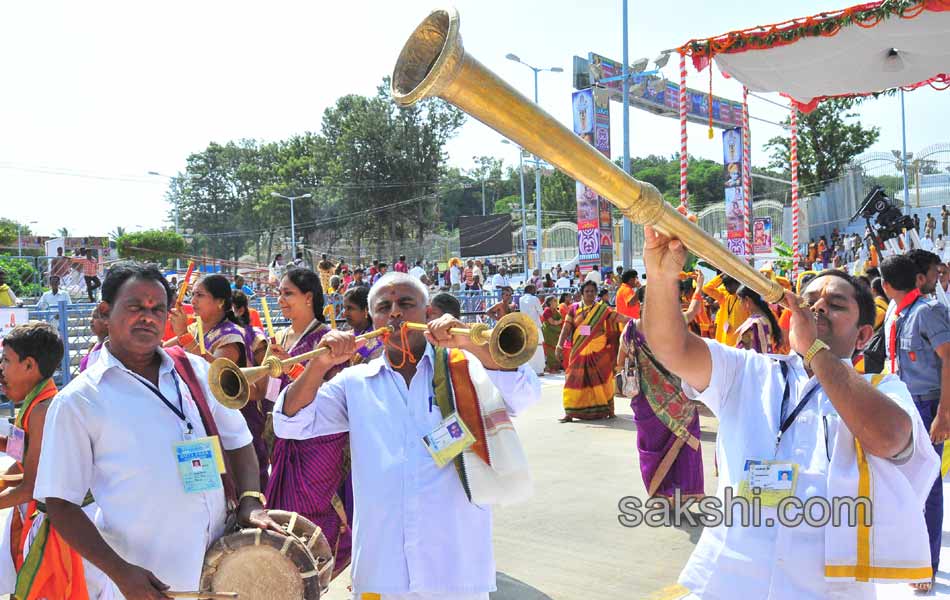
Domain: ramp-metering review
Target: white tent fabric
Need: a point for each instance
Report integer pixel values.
(854, 61)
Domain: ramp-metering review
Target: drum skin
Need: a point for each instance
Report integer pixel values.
(262, 565)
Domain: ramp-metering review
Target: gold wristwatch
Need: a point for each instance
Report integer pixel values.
(816, 347)
(257, 495)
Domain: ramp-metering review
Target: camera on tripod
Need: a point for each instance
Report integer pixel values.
(889, 220)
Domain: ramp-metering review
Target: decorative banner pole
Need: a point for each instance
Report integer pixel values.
(794, 164)
(747, 178)
(684, 160)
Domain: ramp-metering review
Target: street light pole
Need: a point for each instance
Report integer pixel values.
(627, 257)
(293, 230)
(537, 188)
(904, 151)
(524, 215)
(177, 210)
(537, 161)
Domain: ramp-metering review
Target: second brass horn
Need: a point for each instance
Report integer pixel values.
(434, 63)
(511, 342)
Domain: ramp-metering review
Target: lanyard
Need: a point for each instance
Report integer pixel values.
(178, 410)
(787, 422)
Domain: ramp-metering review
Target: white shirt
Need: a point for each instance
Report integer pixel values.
(778, 563)
(531, 306)
(49, 300)
(414, 529)
(108, 433)
(563, 283)
(593, 275)
(499, 281)
(455, 275)
(417, 272)
(926, 244)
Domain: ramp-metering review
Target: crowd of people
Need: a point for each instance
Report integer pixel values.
(844, 379)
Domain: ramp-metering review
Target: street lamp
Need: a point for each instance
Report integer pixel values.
(19, 237)
(293, 232)
(537, 163)
(524, 216)
(169, 178)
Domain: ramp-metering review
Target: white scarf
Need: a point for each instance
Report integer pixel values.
(895, 548)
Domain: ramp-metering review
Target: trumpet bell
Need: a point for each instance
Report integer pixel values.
(514, 340)
(231, 385)
(228, 384)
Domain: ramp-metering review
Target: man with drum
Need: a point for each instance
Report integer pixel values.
(416, 532)
(128, 429)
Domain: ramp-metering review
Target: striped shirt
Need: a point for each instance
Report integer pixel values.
(90, 267)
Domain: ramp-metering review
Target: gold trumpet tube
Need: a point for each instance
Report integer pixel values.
(511, 342)
(433, 62)
(231, 385)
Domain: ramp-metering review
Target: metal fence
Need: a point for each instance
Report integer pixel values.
(73, 323)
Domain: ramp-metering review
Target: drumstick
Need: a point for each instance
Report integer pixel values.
(12, 477)
(207, 595)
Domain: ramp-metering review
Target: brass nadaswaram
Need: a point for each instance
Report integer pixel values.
(511, 342)
(434, 63)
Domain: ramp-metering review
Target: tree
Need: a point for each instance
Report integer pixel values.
(115, 235)
(828, 140)
(151, 245)
(63, 232)
(22, 277)
(9, 231)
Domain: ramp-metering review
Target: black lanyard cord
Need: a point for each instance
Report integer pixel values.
(787, 422)
(178, 410)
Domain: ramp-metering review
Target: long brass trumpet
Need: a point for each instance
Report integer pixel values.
(433, 62)
(512, 342)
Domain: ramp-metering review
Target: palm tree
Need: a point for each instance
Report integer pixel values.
(115, 235)
(63, 232)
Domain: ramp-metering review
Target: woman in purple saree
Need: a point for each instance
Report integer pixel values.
(667, 422)
(310, 477)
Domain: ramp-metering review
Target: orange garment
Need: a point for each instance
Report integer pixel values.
(169, 332)
(872, 261)
(707, 328)
(624, 294)
(53, 569)
(731, 315)
(255, 318)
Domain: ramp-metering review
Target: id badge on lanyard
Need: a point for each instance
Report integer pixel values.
(200, 464)
(448, 440)
(773, 480)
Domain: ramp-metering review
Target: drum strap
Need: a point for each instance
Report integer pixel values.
(187, 374)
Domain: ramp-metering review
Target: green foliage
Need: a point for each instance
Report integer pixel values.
(373, 173)
(828, 140)
(22, 276)
(8, 232)
(151, 246)
(890, 183)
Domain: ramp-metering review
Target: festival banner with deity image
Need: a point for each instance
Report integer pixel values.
(735, 199)
(762, 235)
(591, 110)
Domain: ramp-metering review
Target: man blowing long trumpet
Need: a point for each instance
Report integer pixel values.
(431, 445)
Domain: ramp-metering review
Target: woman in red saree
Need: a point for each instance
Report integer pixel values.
(591, 327)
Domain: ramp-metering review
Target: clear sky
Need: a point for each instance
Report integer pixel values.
(98, 94)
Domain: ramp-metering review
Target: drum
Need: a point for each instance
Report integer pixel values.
(261, 565)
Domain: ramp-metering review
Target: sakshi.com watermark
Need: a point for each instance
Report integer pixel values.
(732, 510)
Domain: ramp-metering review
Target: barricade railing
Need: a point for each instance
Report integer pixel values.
(73, 321)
